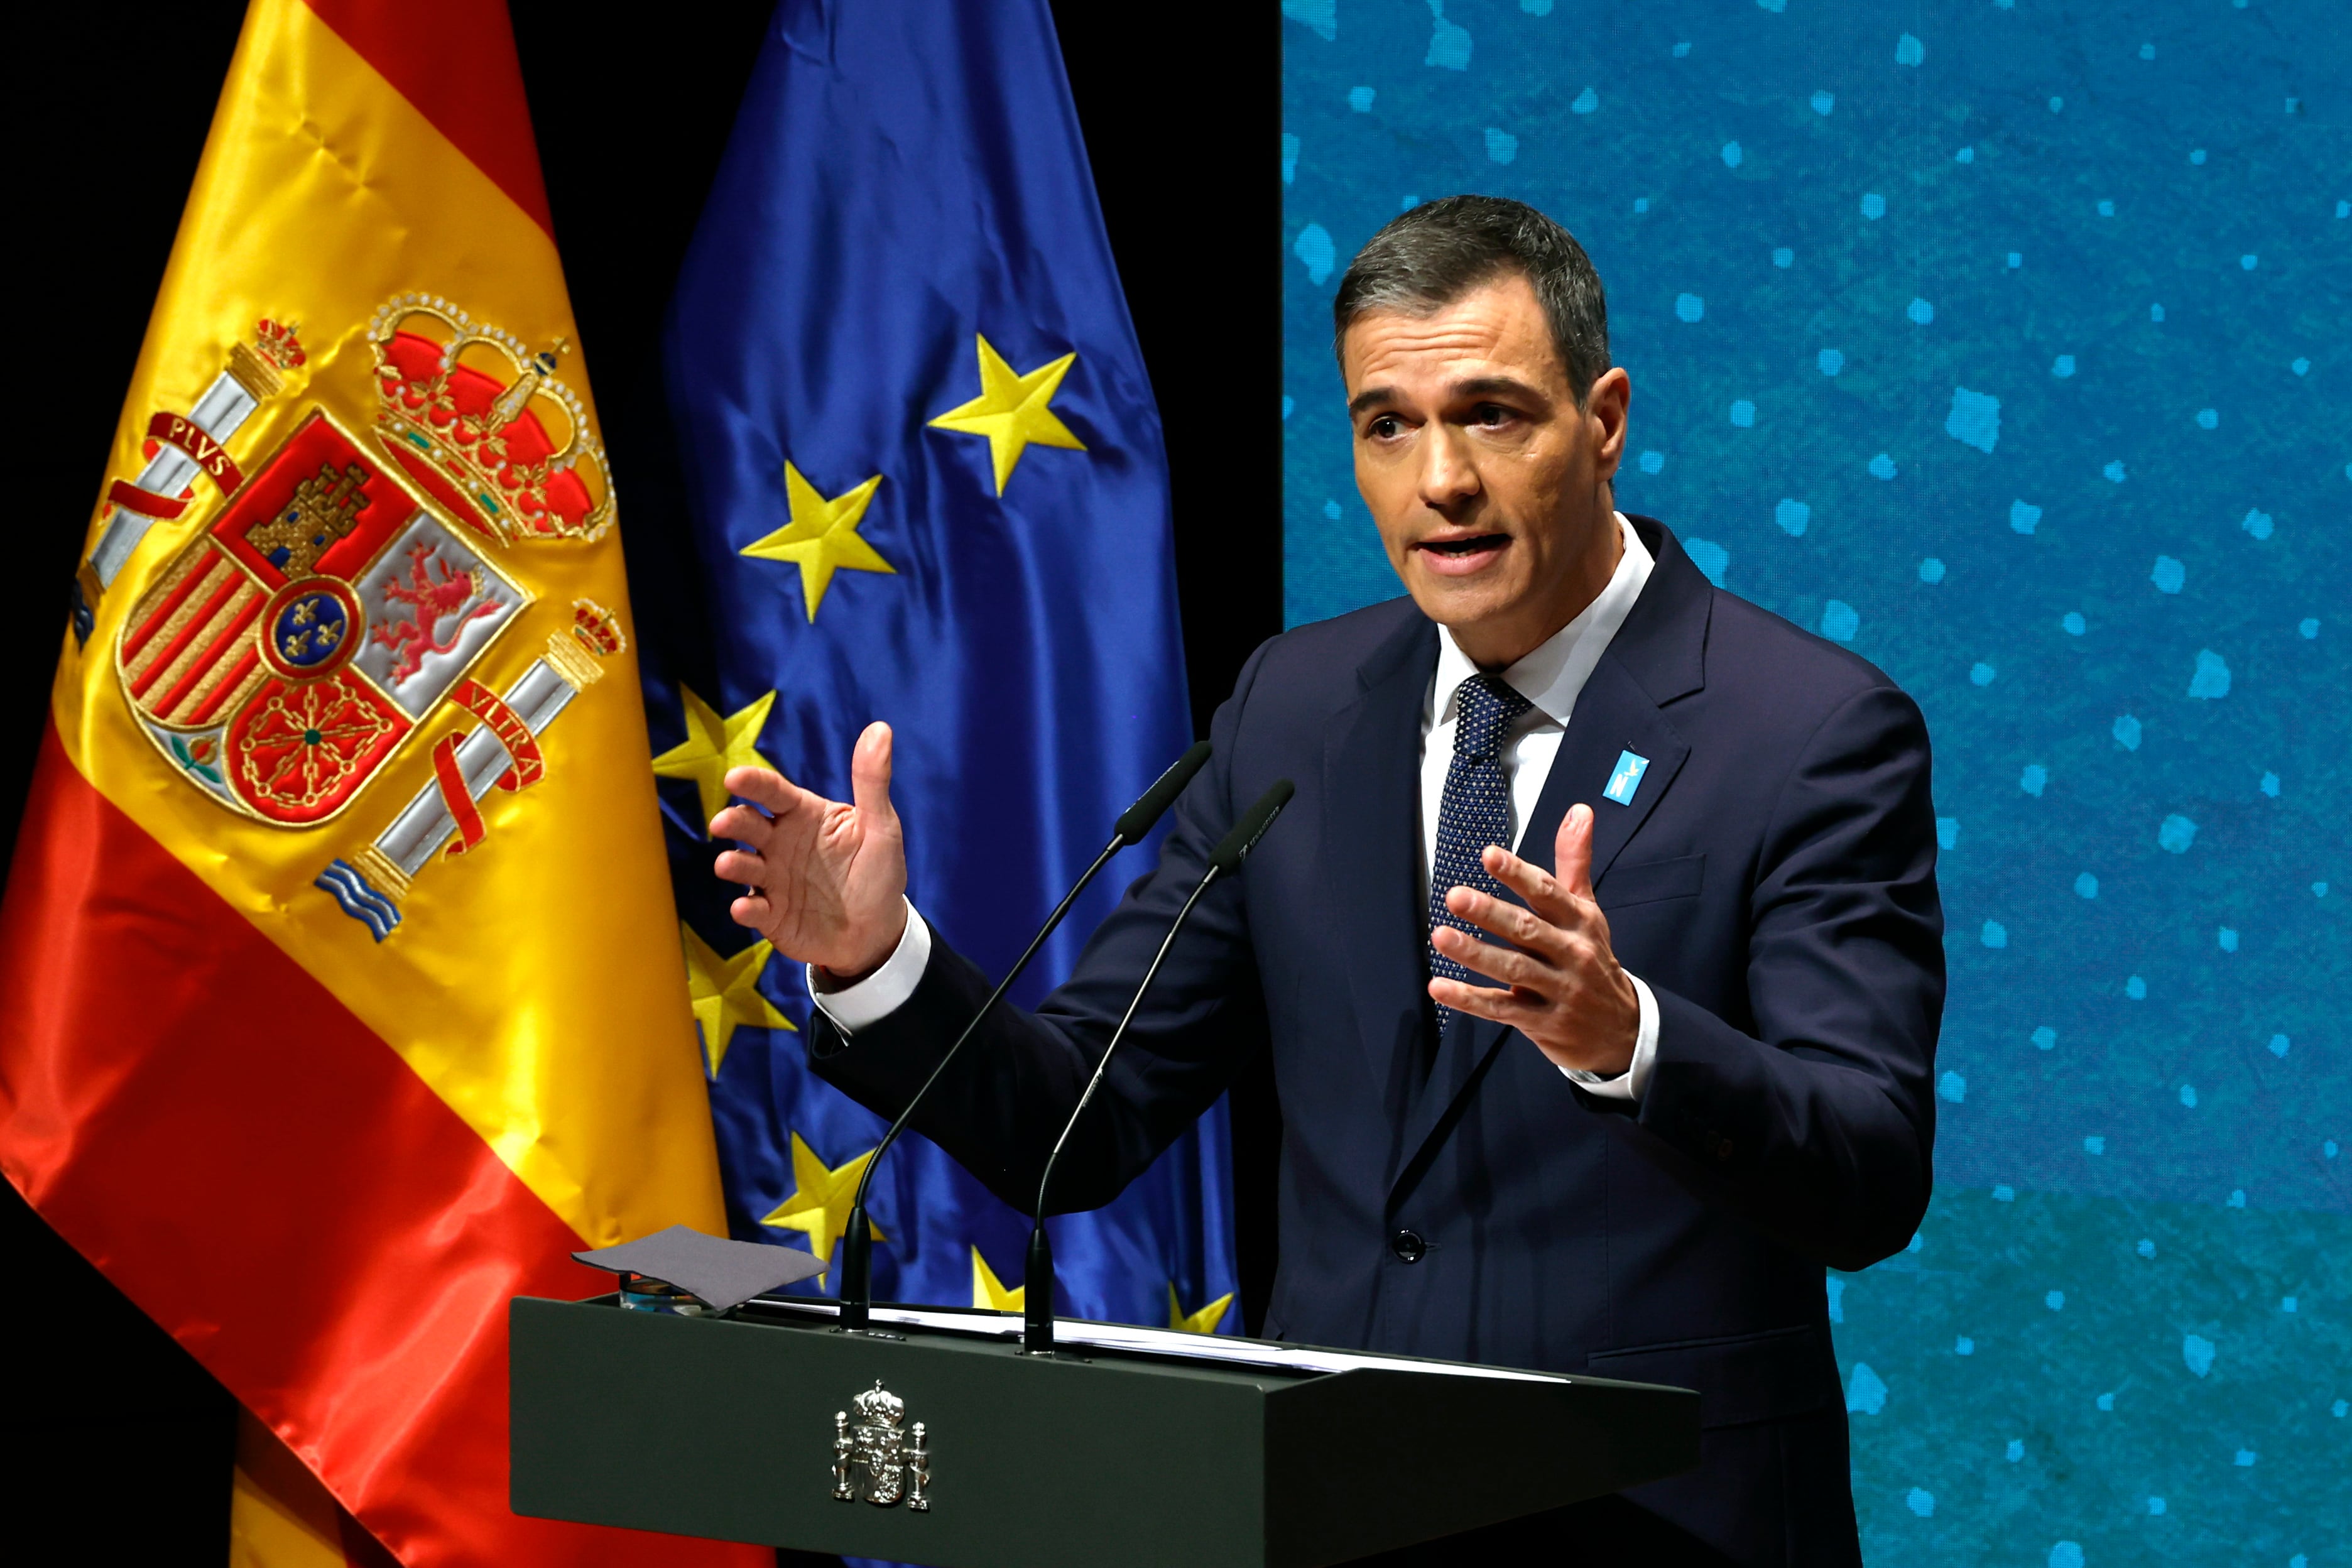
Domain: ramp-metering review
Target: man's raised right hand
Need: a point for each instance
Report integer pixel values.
(827, 880)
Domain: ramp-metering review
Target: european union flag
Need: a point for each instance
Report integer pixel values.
(928, 487)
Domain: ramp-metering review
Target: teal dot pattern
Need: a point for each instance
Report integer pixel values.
(2005, 344)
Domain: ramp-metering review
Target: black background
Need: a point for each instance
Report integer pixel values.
(110, 113)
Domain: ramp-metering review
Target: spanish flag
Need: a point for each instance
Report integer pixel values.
(343, 999)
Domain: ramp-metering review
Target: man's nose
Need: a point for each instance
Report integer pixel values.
(1447, 476)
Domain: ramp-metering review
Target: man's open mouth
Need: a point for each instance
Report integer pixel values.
(1468, 545)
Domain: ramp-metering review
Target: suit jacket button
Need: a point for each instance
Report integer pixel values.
(1723, 1150)
(1408, 1245)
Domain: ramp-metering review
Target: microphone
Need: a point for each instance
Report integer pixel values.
(1037, 1282)
(1133, 824)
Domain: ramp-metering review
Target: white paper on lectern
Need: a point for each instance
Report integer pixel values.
(1079, 1335)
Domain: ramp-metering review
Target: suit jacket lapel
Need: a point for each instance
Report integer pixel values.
(1613, 716)
(1655, 656)
(1371, 852)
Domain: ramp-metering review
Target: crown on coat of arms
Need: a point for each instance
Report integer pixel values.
(480, 420)
(596, 627)
(280, 344)
(877, 1406)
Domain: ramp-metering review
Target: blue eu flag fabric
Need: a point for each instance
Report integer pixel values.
(928, 487)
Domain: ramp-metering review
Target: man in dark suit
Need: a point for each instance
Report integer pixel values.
(1605, 1104)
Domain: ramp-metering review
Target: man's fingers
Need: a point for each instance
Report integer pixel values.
(1486, 1002)
(1510, 922)
(1507, 964)
(1541, 889)
(1572, 851)
(768, 787)
(742, 823)
(869, 773)
(751, 910)
(741, 865)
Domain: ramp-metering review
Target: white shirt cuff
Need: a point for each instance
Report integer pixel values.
(884, 992)
(1629, 1084)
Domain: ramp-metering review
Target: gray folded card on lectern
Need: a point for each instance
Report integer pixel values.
(720, 1274)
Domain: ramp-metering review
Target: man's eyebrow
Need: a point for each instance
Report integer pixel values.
(1477, 386)
(1498, 387)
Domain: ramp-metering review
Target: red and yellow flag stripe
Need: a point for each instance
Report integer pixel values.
(323, 1156)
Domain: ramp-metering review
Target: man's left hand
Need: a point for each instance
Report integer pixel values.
(1568, 993)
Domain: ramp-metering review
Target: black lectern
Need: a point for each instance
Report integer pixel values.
(933, 1441)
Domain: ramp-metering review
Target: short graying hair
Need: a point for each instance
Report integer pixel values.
(1434, 254)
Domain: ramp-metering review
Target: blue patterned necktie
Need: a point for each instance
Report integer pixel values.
(1476, 812)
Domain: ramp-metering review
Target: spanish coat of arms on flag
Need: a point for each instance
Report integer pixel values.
(344, 997)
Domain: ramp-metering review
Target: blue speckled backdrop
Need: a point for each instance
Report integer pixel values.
(2010, 343)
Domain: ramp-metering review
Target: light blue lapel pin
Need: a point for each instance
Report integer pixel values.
(1626, 778)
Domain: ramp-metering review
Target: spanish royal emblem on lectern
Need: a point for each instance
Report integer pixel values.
(879, 1454)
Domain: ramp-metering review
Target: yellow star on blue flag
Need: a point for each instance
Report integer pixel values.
(713, 747)
(988, 1292)
(1203, 1321)
(821, 536)
(725, 993)
(821, 1199)
(1012, 410)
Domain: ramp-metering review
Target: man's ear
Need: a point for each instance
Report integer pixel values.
(1607, 402)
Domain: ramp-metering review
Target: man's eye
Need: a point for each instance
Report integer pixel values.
(1489, 414)
(1381, 428)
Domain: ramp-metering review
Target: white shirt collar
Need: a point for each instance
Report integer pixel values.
(1553, 676)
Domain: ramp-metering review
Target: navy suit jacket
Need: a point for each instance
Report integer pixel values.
(1773, 881)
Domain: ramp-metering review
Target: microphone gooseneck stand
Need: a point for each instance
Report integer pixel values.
(1133, 824)
(1037, 1282)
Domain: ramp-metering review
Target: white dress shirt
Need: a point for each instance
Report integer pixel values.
(1551, 679)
